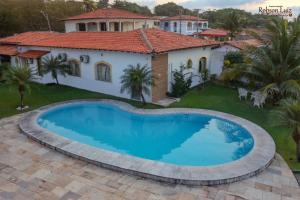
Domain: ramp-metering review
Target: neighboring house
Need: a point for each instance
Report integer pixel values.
(218, 54)
(9, 45)
(252, 33)
(97, 59)
(243, 44)
(214, 34)
(183, 24)
(109, 19)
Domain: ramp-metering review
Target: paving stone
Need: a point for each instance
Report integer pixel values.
(29, 171)
(70, 196)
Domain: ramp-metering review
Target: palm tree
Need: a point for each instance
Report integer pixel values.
(136, 80)
(289, 115)
(3, 69)
(54, 66)
(20, 76)
(276, 67)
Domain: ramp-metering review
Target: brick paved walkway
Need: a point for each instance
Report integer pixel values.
(31, 171)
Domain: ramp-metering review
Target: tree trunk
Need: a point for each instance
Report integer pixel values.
(296, 137)
(56, 79)
(143, 99)
(21, 92)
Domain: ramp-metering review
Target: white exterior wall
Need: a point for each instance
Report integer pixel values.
(118, 60)
(184, 27)
(71, 26)
(226, 48)
(179, 58)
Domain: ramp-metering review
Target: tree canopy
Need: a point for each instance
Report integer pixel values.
(132, 7)
(27, 15)
(217, 18)
(172, 9)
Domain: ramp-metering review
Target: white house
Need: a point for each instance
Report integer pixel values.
(183, 24)
(97, 59)
(109, 19)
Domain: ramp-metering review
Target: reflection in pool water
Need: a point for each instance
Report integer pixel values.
(181, 139)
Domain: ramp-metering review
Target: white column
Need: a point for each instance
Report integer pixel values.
(133, 25)
(107, 26)
(120, 26)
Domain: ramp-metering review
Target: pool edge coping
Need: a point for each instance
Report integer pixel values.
(259, 158)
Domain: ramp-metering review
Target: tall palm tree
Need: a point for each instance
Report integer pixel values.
(276, 67)
(54, 66)
(20, 76)
(136, 80)
(289, 115)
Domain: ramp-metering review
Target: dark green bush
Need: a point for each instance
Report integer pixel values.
(234, 57)
(180, 85)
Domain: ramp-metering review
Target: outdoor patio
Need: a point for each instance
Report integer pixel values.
(31, 171)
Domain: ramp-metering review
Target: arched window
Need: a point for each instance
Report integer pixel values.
(74, 67)
(189, 63)
(195, 26)
(175, 26)
(189, 26)
(202, 64)
(103, 72)
(200, 25)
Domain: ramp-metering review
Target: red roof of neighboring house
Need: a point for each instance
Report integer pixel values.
(27, 37)
(243, 44)
(108, 13)
(183, 17)
(33, 54)
(214, 33)
(137, 41)
(8, 50)
(163, 41)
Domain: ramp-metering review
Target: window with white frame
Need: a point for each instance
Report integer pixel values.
(189, 26)
(195, 26)
(74, 68)
(103, 72)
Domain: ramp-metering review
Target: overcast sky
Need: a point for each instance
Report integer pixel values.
(249, 5)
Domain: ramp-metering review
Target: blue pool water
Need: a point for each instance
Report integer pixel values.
(181, 139)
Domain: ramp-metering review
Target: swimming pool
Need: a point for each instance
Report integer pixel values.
(181, 139)
(178, 145)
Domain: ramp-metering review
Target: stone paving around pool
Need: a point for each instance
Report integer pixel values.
(31, 171)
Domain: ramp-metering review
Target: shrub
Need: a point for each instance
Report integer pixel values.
(233, 57)
(180, 85)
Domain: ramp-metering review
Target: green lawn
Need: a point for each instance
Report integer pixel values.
(212, 97)
(221, 98)
(46, 94)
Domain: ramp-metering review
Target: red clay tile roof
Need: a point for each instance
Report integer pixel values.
(163, 41)
(108, 13)
(243, 44)
(33, 54)
(27, 37)
(8, 50)
(137, 41)
(214, 32)
(183, 17)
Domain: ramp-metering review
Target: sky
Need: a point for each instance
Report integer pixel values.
(249, 5)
